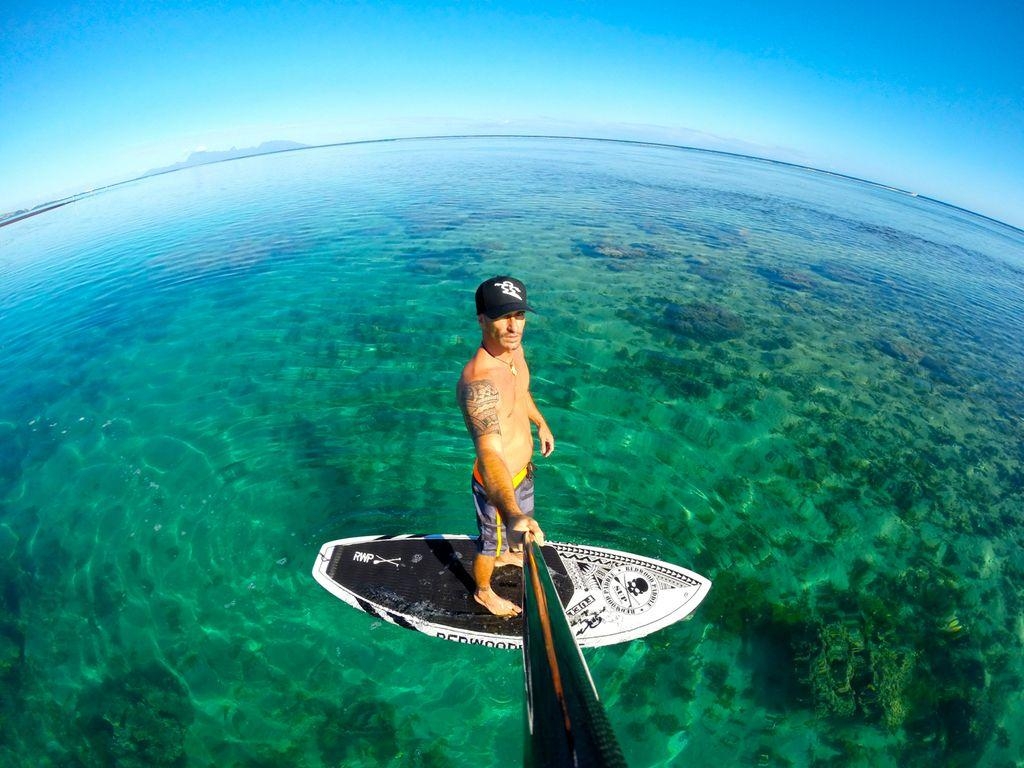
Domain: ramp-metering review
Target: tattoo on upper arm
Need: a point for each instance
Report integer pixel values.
(479, 403)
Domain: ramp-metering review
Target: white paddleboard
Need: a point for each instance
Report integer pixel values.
(425, 582)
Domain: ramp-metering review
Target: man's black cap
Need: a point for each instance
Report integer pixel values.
(500, 296)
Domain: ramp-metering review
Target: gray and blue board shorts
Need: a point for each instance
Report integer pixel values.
(495, 534)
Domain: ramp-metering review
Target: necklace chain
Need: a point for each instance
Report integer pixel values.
(510, 363)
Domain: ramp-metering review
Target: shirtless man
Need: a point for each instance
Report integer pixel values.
(494, 395)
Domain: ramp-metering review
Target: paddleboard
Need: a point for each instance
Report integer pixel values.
(425, 583)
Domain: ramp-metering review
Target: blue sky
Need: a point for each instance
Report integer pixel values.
(925, 96)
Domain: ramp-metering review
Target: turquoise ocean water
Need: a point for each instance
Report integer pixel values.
(807, 388)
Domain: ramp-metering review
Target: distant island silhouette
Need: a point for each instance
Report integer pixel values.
(205, 157)
(196, 158)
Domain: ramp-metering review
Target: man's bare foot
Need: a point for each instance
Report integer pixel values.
(509, 558)
(496, 604)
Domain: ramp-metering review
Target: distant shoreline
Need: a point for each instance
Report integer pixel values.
(46, 207)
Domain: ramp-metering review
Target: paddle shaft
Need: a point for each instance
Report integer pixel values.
(566, 723)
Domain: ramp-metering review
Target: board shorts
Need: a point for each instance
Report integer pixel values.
(495, 534)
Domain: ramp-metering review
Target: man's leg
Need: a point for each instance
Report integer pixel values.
(483, 567)
(494, 548)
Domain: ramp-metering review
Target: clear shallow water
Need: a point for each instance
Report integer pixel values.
(806, 388)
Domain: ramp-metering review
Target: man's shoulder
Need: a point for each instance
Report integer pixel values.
(477, 381)
(476, 369)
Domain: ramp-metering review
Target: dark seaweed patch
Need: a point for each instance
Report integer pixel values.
(703, 321)
(791, 279)
(137, 719)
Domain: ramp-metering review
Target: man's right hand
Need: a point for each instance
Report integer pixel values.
(529, 525)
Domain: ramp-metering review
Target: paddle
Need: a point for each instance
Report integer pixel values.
(566, 724)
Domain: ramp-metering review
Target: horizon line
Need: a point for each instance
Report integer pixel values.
(46, 207)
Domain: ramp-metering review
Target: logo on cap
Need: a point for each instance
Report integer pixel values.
(510, 289)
